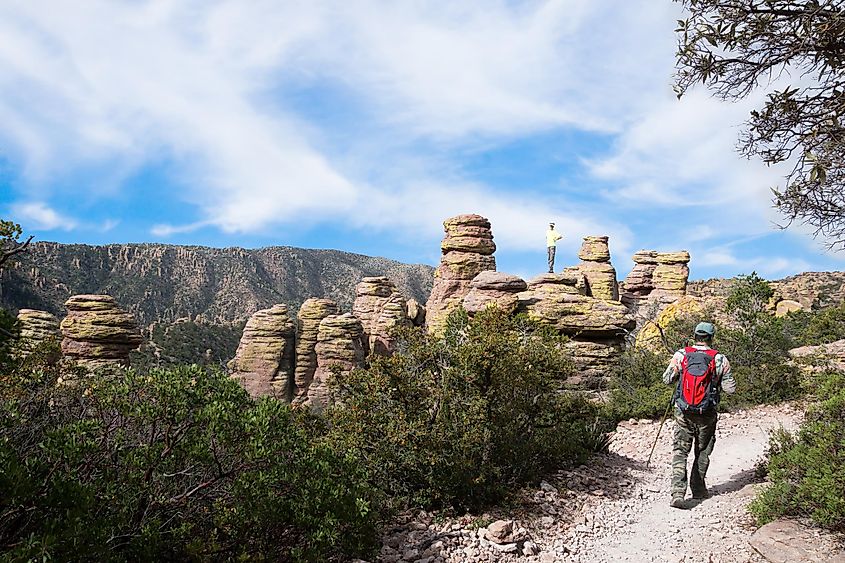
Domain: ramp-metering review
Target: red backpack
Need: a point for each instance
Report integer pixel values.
(698, 389)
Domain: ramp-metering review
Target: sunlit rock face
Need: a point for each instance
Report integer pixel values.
(97, 333)
(264, 362)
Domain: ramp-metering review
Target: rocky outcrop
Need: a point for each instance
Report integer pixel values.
(810, 290)
(639, 283)
(416, 312)
(467, 250)
(598, 272)
(311, 314)
(574, 314)
(340, 346)
(380, 308)
(788, 541)
(831, 354)
(264, 361)
(494, 289)
(594, 361)
(36, 328)
(97, 333)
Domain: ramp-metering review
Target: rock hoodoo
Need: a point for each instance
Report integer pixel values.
(494, 288)
(380, 307)
(340, 346)
(467, 250)
(264, 362)
(97, 332)
(640, 282)
(671, 275)
(311, 314)
(37, 327)
(416, 312)
(599, 273)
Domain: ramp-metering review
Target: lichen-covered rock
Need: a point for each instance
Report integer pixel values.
(494, 288)
(639, 282)
(677, 257)
(264, 361)
(786, 306)
(570, 277)
(595, 249)
(645, 257)
(340, 346)
(575, 314)
(311, 314)
(416, 312)
(671, 279)
(380, 308)
(97, 333)
(601, 280)
(649, 336)
(467, 249)
(36, 328)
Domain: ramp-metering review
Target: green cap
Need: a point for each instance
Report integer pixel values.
(705, 329)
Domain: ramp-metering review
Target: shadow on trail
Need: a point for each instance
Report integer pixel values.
(736, 482)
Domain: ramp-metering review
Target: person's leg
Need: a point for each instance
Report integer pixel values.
(551, 259)
(682, 443)
(705, 442)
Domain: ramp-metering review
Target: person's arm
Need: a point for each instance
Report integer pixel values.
(558, 236)
(674, 370)
(724, 368)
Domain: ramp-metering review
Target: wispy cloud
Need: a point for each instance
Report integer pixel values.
(39, 216)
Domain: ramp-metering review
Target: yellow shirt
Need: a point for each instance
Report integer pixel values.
(552, 236)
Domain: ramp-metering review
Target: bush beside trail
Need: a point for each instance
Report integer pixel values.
(175, 464)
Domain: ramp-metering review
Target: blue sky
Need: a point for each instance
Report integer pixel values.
(362, 125)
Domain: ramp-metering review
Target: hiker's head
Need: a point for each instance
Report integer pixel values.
(551, 225)
(704, 332)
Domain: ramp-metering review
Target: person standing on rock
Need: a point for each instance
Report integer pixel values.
(552, 236)
(700, 371)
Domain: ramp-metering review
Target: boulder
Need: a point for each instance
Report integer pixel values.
(97, 333)
(648, 257)
(786, 306)
(832, 354)
(264, 361)
(36, 328)
(601, 280)
(494, 288)
(340, 347)
(467, 250)
(787, 541)
(649, 336)
(416, 312)
(308, 320)
(569, 277)
(380, 308)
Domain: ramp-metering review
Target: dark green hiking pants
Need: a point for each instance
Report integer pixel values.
(696, 432)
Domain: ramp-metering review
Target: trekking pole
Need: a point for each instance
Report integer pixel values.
(659, 428)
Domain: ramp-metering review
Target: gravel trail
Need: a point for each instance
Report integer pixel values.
(613, 508)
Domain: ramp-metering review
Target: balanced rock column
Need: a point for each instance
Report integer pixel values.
(597, 269)
(380, 308)
(97, 333)
(467, 249)
(640, 282)
(37, 328)
(340, 347)
(670, 275)
(264, 362)
(311, 314)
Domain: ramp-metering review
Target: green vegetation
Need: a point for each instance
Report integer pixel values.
(188, 342)
(10, 241)
(807, 470)
(458, 419)
(175, 464)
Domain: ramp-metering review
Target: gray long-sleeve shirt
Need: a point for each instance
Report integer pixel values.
(723, 369)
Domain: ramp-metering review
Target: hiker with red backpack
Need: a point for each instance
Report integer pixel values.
(701, 373)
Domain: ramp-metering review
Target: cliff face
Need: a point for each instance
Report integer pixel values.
(163, 283)
(813, 290)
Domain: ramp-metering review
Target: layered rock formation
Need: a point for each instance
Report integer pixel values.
(264, 361)
(639, 283)
(599, 273)
(416, 312)
(467, 250)
(596, 327)
(494, 288)
(37, 328)
(671, 275)
(340, 346)
(311, 314)
(97, 333)
(380, 308)
(823, 355)
(650, 335)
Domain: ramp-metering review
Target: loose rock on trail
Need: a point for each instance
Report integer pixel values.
(614, 508)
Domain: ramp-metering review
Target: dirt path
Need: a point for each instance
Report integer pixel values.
(615, 509)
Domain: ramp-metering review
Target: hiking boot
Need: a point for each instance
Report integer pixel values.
(702, 494)
(677, 501)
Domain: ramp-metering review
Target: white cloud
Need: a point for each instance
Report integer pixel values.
(38, 216)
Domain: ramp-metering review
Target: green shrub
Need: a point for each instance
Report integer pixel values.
(169, 465)
(637, 388)
(458, 419)
(807, 471)
(811, 328)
